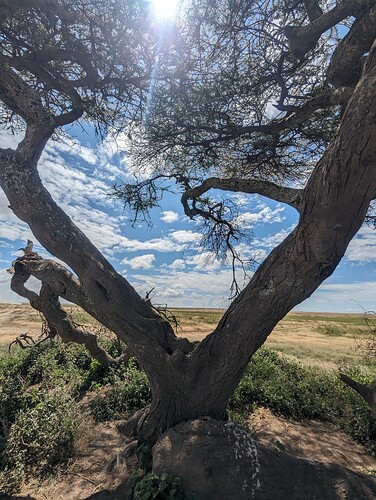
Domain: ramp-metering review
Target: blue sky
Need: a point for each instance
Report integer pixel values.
(79, 174)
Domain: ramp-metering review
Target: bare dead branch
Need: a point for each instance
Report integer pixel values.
(47, 302)
(368, 393)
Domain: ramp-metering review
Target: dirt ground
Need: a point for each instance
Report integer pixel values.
(16, 319)
(99, 465)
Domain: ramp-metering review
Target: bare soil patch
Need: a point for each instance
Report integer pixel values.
(97, 467)
(311, 440)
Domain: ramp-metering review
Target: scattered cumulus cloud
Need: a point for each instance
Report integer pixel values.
(272, 240)
(177, 264)
(184, 236)
(205, 261)
(189, 288)
(356, 297)
(73, 148)
(169, 216)
(363, 247)
(266, 215)
(140, 262)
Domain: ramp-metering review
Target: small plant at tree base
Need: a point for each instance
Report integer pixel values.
(156, 487)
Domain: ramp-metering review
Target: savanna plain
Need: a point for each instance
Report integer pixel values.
(60, 410)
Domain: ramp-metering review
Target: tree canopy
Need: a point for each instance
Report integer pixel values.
(243, 100)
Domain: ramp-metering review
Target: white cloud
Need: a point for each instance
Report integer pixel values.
(140, 262)
(11, 228)
(73, 148)
(9, 140)
(187, 288)
(184, 236)
(272, 240)
(206, 261)
(342, 297)
(266, 215)
(363, 247)
(177, 264)
(169, 216)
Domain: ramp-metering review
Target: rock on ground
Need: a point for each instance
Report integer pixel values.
(221, 461)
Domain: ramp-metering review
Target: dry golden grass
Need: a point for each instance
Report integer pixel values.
(327, 339)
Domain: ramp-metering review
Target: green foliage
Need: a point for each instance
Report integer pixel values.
(152, 486)
(41, 436)
(39, 418)
(332, 330)
(127, 394)
(299, 392)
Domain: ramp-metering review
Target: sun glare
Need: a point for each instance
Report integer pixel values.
(164, 10)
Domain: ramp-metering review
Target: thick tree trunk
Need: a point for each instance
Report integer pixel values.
(192, 382)
(334, 206)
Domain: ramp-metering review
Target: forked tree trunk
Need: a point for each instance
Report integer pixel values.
(194, 381)
(335, 203)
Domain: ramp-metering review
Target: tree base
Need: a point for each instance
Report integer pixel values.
(220, 460)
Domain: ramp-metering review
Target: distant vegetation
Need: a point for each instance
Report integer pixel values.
(46, 416)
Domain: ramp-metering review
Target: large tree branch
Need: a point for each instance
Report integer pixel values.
(26, 102)
(368, 393)
(327, 98)
(313, 9)
(345, 67)
(21, 98)
(271, 190)
(335, 204)
(57, 319)
(303, 39)
(110, 298)
(62, 282)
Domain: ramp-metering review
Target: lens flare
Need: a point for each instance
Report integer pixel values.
(164, 10)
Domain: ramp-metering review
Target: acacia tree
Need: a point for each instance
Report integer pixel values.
(209, 125)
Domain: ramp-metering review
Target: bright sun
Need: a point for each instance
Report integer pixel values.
(164, 9)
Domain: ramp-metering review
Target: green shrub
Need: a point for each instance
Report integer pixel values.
(161, 487)
(42, 435)
(332, 330)
(125, 396)
(292, 390)
(39, 418)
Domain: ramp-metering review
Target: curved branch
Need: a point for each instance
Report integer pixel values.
(327, 98)
(346, 64)
(62, 282)
(59, 320)
(21, 98)
(290, 196)
(368, 393)
(302, 39)
(47, 303)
